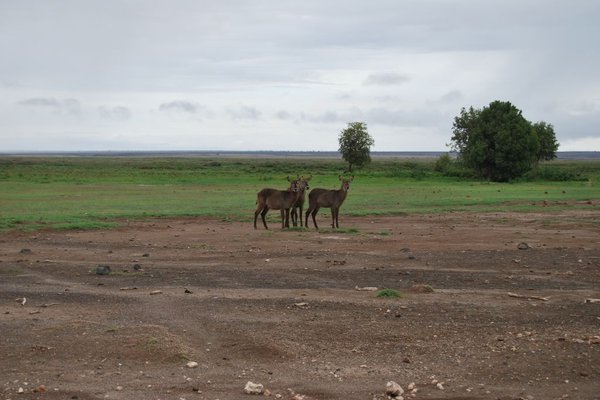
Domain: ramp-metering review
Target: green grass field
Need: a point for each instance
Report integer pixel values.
(100, 192)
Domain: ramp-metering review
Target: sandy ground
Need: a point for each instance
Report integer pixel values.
(282, 308)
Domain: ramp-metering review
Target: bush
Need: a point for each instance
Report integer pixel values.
(388, 293)
(554, 174)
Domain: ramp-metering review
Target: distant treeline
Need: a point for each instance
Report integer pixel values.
(561, 155)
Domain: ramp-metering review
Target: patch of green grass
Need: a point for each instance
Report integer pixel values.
(11, 270)
(97, 192)
(350, 231)
(388, 293)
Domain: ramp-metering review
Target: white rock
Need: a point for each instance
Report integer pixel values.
(440, 386)
(392, 389)
(254, 388)
(411, 386)
(192, 364)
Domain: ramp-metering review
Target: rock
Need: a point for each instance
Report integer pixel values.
(420, 288)
(152, 293)
(254, 388)
(25, 251)
(523, 246)
(40, 389)
(440, 386)
(394, 390)
(137, 267)
(366, 288)
(102, 270)
(192, 364)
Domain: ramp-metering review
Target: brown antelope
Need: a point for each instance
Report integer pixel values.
(299, 204)
(333, 199)
(275, 199)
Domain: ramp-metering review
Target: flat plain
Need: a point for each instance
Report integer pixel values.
(493, 305)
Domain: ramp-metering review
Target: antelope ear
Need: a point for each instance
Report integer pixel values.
(351, 178)
(340, 178)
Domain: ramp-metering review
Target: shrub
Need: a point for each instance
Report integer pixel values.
(388, 293)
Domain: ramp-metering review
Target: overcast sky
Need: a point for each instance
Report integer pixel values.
(289, 75)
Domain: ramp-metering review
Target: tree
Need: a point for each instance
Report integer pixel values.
(547, 138)
(355, 144)
(496, 141)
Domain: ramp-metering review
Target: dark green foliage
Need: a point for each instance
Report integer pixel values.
(355, 144)
(547, 139)
(388, 293)
(498, 143)
(556, 173)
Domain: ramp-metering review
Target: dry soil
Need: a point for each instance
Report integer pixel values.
(295, 311)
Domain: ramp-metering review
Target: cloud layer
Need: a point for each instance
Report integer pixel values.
(289, 75)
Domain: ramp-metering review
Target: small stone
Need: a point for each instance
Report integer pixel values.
(192, 364)
(25, 251)
(40, 389)
(152, 293)
(523, 246)
(440, 386)
(102, 270)
(254, 388)
(119, 388)
(394, 390)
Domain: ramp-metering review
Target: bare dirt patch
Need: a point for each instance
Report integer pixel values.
(285, 309)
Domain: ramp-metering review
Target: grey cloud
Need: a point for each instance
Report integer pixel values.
(386, 78)
(451, 97)
(118, 113)
(244, 112)
(283, 115)
(325, 117)
(181, 106)
(68, 106)
(379, 116)
(40, 102)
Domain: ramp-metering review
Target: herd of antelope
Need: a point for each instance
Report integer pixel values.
(291, 202)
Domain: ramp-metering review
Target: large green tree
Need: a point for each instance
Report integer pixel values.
(355, 144)
(497, 142)
(547, 138)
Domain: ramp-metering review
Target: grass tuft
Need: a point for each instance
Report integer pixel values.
(388, 293)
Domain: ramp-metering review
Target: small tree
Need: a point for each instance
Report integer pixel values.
(497, 141)
(547, 138)
(355, 144)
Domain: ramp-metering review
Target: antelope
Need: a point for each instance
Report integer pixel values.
(333, 199)
(299, 204)
(275, 199)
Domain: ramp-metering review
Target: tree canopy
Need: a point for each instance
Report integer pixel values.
(498, 143)
(355, 144)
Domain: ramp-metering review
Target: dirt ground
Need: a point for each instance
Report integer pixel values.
(284, 309)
